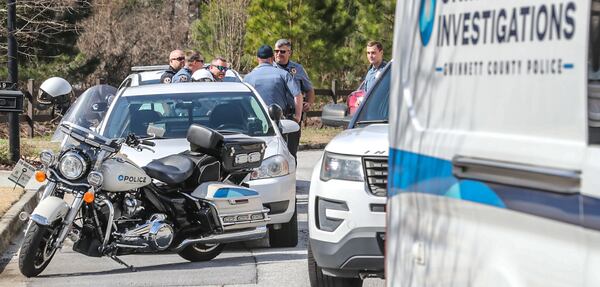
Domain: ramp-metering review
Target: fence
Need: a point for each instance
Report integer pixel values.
(33, 115)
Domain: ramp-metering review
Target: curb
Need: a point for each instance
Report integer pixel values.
(311, 146)
(10, 224)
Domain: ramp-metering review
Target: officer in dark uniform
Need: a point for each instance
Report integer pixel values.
(193, 62)
(176, 62)
(276, 86)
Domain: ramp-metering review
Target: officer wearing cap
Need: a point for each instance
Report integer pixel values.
(276, 86)
(193, 62)
(283, 52)
(176, 61)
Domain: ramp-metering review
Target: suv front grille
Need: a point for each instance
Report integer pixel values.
(376, 172)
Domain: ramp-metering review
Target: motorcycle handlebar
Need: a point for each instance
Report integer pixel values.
(148, 143)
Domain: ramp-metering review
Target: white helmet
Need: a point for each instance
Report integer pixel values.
(55, 91)
(203, 75)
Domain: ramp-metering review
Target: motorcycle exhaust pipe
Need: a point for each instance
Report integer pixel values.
(252, 234)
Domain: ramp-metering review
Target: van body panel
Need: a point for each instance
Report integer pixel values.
(511, 104)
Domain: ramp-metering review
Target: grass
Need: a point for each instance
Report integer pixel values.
(30, 149)
(316, 135)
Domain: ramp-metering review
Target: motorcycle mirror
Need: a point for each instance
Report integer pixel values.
(99, 107)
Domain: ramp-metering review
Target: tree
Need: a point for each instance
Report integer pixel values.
(125, 33)
(46, 31)
(329, 36)
(221, 31)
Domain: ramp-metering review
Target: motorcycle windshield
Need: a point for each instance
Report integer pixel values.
(82, 112)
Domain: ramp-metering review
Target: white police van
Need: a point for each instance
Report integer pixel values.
(494, 170)
(347, 197)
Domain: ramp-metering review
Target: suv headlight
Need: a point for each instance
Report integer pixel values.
(344, 167)
(72, 166)
(273, 166)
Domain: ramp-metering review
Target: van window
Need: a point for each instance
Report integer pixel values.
(376, 105)
(594, 75)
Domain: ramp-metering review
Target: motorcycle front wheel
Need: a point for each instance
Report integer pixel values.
(37, 249)
(201, 252)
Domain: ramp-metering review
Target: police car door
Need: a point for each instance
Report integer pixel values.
(487, 138)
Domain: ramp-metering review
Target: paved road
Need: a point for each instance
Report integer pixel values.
(249, 264)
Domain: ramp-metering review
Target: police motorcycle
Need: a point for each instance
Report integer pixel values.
(189, 203)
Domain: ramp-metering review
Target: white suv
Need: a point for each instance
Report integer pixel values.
(346, 214)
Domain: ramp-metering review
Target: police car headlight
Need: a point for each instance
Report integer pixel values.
(72, 166)
(343, 167)
(273, 166)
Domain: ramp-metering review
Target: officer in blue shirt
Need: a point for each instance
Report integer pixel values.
(375, 57)
(193, 62)
(276, 86)
(283, 52)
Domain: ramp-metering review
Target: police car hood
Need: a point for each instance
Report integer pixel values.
(370, 140)
(165, 147)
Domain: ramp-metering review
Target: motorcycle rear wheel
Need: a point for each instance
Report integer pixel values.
(201, 252)
(37, 250)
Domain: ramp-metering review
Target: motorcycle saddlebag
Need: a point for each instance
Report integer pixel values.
(237, 207)
(242, 152)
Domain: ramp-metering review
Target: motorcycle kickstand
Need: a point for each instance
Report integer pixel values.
(116, 259)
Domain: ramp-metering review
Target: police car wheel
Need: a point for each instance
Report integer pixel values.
(318, 279)
(287, 235)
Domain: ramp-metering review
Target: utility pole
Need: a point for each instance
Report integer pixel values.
(13, 77)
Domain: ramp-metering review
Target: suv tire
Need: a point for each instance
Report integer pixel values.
(318, 279)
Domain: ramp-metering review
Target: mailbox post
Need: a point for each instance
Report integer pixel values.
(11, 101)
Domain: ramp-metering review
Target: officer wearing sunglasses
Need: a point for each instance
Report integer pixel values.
(176, 62)
(215, 72)
(193, 62)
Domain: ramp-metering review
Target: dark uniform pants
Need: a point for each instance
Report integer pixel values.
(293, 140)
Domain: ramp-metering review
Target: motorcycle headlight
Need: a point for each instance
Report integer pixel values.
(72, 166)
(271, 167)
(344, 167)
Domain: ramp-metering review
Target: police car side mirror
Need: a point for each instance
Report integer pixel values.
(99, 107)
(289, 126)
(275, 112)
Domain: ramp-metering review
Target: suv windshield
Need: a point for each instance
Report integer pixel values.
(237, 112)
(375, 107)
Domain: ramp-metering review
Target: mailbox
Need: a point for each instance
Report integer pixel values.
(11, 101)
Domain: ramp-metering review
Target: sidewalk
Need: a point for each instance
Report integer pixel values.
(10, 224)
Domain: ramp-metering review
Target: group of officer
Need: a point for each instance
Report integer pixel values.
(277, 79)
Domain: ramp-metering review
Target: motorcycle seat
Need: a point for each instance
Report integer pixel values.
(172, 169)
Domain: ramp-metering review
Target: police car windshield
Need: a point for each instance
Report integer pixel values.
(238, 112)
(375, 109)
